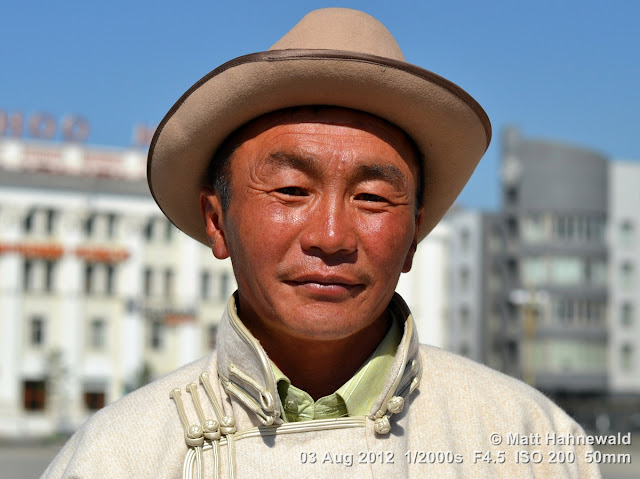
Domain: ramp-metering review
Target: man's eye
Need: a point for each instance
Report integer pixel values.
(369, 197)
(292, 191)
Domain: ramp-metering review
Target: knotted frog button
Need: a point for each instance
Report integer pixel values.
(291, 404)
(382, 425)
(395, 404)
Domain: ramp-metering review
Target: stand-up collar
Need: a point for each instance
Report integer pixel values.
(246, 373)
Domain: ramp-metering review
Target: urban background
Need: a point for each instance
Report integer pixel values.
(100, 293)
(535, 272)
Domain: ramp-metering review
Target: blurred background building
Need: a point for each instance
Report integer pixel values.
(555, 262)
(99, 293)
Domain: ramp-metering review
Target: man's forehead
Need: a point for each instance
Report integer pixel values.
(307, 116)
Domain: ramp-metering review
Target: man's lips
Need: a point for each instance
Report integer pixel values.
(325, 280)
(332, 285)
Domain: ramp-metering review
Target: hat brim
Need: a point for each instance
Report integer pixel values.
(449, 127)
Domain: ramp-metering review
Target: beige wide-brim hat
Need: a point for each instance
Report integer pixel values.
(333, 56)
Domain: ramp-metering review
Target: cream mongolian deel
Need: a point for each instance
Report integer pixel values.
(231, 412)
(318, 166)
(438, 415)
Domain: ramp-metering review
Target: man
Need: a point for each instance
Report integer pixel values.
(317, 167)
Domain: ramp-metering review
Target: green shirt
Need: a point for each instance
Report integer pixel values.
(354, 398)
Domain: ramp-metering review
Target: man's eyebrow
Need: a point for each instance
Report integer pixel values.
(305, 164)
(383, 172)
(363, 172)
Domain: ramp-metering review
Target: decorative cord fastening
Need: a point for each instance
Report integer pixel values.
(407, 384)
(381, 424)
(210, 427)
(266, 398)
(193, 434)
(227, 423)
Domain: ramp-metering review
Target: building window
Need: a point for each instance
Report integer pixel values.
(626, 233)
(596, 272)
(157, 333)
(110, 280)
(626, 357)
(495, 280)
(168, 235)
(565, 311)
(27, 275)
(533, 229)
(98, 334)
(595, 229)
(49, 276)
(495, 317)
(512, 269)
(36, 331)
(465, 240)
(626, 314)
(593, 312)
(225, 285)
(148, 282)
(464, 318)
(34, 395)
(627, 275)
(512, 227)
(168, 283)
(148, 230)
(212, 333)
(29, 221)
(38, 275)
(464, 278)
(94, 400)
(578, 228)
(567, 270)
(89, 225)
(111, 225)
(89, 271)
(511, 194)
(534, 271)
(51, 221)
(205, 285)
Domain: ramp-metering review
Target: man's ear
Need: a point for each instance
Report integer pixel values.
(408, 261)
(211, 211)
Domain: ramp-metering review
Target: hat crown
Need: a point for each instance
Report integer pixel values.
(341, 29)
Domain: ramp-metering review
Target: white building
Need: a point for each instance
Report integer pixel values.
(426, 287)
(624, 284)
(98, 291)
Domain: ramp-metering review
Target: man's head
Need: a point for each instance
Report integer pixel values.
(333, 56)
(321, 222)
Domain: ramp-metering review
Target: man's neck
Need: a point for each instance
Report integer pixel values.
(320, 367)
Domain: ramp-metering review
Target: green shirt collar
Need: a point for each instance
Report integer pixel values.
(353, 398)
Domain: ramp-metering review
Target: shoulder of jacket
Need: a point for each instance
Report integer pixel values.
(136, 436)
(468, 384)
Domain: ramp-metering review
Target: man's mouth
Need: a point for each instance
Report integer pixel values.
(326, 285)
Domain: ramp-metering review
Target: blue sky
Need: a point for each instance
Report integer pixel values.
(564, 70)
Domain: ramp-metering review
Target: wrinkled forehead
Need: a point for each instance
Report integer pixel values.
(326, 115)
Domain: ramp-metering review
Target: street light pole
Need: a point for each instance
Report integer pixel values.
(529, 301)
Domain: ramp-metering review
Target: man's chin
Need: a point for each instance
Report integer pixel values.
(324, 321)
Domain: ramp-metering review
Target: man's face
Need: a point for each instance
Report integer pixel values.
(321, 221)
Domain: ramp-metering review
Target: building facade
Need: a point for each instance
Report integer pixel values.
(624, 284)
(475, 323)
(555, 207)
(426, 287)
(99, 293)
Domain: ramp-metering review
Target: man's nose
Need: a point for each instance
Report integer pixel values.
(330, 230)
